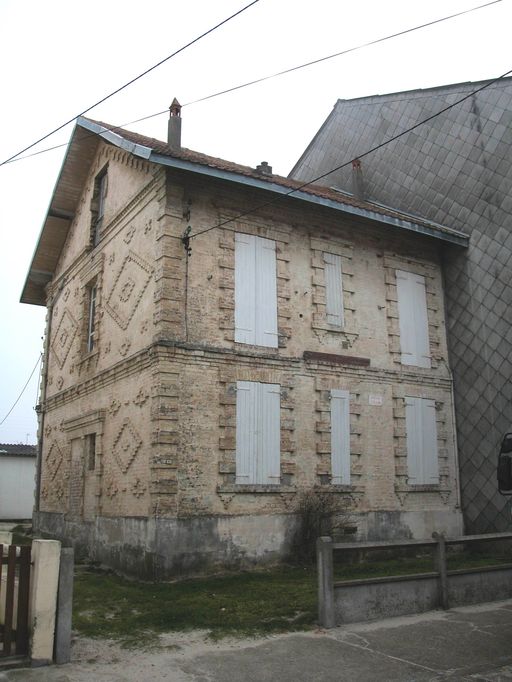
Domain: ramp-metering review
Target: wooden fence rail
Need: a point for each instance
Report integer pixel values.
(14, 599)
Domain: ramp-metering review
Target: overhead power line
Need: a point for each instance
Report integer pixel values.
(22, 390)
(262, 79)
(133, 80)
(348, 163)
(339, 54)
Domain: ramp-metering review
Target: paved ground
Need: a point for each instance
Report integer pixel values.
(471, 644)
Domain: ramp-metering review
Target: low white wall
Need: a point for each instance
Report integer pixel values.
(17, 485)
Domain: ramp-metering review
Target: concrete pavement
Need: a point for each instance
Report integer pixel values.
(471, 644)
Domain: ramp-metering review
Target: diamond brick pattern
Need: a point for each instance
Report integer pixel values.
(455, 170)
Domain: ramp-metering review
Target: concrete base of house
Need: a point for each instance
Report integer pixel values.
(158, 548)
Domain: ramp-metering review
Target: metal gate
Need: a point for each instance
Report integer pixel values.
(14, 600)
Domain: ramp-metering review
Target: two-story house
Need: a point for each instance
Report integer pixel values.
(220, 338)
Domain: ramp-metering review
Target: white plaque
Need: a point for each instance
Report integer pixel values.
(374, 399)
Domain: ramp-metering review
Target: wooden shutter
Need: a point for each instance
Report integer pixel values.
(266, 293)
(258, 433)
(333, 290)
(246, 427)
(421, 429)
(245, 287)
(255, 291)
(269, 427)
(340, 438)
(413, 319)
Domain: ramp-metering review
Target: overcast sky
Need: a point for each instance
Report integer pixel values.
(59, 56)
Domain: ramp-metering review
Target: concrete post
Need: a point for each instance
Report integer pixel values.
(324, 553)
(64, 607)
(5, 537)
(43, 599)
(442, 569)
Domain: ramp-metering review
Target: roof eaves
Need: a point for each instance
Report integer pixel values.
(420, 227)
(114, 138)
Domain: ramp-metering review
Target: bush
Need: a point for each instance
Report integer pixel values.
(318, 512)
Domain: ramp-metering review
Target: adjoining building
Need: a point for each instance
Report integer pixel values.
(454, 169)
(17, 481)
(219, 340)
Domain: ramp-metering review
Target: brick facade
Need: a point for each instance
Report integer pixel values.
(158, 495)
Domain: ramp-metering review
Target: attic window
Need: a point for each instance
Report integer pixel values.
(98, 205)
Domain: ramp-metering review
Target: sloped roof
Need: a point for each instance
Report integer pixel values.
(17, 450)
(82, 149)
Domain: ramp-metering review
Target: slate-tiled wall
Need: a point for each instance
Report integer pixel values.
(455, 170)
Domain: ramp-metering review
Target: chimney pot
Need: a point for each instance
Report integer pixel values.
(264, 168)
(174, 126)
(358, 189)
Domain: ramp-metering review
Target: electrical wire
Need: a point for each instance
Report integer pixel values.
(133, 80)
(22, 390)
(348, 163)
(264, 78)
(339, 54)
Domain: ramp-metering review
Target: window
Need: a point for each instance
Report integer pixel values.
(413, 320)
(255, 291)
(340, 438)
(258, 433)
(90, 451)
(91, 320)
(333, 290)
(421, 429)
(98, 205)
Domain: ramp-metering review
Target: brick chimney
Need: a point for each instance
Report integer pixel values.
(174, 126)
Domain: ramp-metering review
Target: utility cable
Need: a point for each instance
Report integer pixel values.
(348, 163)
(265, 78)
(22, 390)
(133, 80)
(339, 54)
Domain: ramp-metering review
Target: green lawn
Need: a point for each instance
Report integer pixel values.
(258, 602)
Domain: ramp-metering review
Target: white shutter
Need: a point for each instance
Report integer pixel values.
(266, 293)
(333, 290)
(413, 319)
(430, 454)
(422, 456)
(245, 288)
(246, 402)
(255, 291)
(340, 437)
(269, 431)
(258, 433)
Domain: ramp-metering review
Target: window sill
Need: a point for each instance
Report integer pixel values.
(251, 488)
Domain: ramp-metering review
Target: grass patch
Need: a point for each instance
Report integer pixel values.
(283, 599)
(250, 603)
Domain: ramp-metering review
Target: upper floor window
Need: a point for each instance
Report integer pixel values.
(413, 319)
(421, 431)
(258, 434)
(255, 291)
(334, 290)
(98, 205)
(91, 320)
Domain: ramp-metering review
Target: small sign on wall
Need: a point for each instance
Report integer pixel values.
(374, 399)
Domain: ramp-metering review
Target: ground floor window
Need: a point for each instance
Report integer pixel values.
(258, 433)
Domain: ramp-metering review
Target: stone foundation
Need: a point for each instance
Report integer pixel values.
(159, 548)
